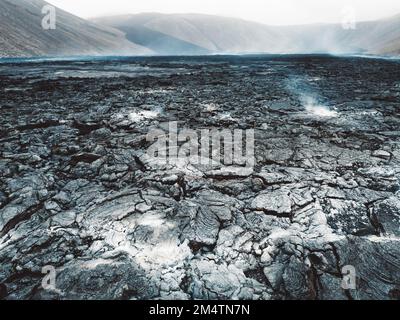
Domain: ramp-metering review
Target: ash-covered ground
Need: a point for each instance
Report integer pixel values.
(77, 192)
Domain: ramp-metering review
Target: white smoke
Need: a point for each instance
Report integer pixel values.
(309, 99)
(312, 106)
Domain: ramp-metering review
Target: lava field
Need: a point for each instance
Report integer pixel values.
(79, 194)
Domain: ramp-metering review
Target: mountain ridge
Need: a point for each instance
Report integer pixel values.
(233, 35)
(21, 35)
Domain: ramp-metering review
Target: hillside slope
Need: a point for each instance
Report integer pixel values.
(196, 33)
(21, 33)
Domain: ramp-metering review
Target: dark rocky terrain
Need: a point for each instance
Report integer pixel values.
(78, 193)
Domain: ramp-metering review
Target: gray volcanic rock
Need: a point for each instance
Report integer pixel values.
(78, 191)
(277, 202)
(387, 212)
(22, 35)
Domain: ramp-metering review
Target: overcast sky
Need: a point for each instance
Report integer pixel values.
(274, 12)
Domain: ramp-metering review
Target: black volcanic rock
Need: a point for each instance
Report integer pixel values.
(79, 193)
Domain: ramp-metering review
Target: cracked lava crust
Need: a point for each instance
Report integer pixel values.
(77, 192)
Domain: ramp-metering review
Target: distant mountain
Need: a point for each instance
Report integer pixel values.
(380, 37)
(199, 34)
(21, 33)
